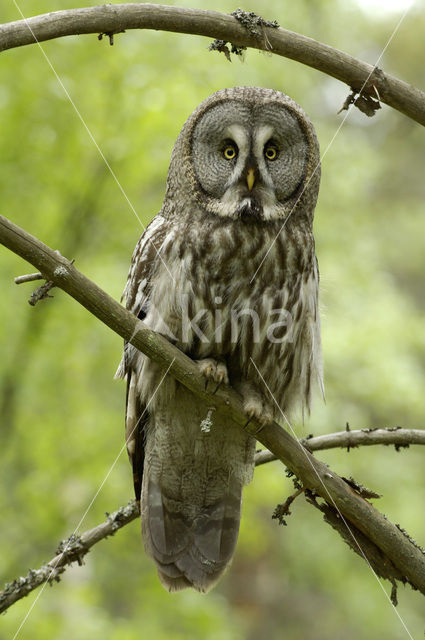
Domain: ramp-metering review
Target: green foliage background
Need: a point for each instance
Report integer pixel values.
(61, 413)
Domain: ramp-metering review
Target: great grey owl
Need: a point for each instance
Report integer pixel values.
(227, 271)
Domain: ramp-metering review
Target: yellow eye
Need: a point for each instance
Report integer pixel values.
(270, 152)
(230, 152)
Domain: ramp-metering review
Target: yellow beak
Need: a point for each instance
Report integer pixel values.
(250, 178)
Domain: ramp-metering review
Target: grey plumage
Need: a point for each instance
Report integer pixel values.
(240, 198)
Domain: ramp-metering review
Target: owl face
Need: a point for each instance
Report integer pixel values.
(245, 154)
(250, 158)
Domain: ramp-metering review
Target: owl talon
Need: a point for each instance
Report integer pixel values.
(255, 405)
(260, 428)
(247, 422)
(213, 370)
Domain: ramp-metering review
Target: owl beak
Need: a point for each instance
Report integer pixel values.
(250, 178)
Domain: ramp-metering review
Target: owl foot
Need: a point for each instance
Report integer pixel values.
(258, 410)
(214, 371)
(255, 405)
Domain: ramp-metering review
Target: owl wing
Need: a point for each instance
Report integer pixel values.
(136, 297)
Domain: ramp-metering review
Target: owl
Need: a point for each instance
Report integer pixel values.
(226, 271)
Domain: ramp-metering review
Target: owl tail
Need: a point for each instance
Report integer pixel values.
(190, 550)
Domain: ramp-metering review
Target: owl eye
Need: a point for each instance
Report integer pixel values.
(271, 152)
(230, 151)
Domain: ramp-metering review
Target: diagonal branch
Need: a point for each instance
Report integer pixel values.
(315, 476)
(116, 18)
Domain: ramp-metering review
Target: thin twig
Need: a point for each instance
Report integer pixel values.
(29, 277)
(71, 550)
(41, 293)
(115, 18)
(282, 510)
(391, 436)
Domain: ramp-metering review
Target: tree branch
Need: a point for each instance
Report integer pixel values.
(395, 436)
(112, 19)
(71, 550)
(315, 476)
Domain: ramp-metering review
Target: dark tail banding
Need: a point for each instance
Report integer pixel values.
(192, 546)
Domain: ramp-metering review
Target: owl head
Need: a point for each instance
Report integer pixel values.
(250, 154)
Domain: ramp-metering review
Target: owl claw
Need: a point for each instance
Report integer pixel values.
(247, 422)
(264, 421)
(263, 413)
(255, 406)
(217, 388)
(213, 370)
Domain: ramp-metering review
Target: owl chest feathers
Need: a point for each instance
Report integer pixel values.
(247, 294)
